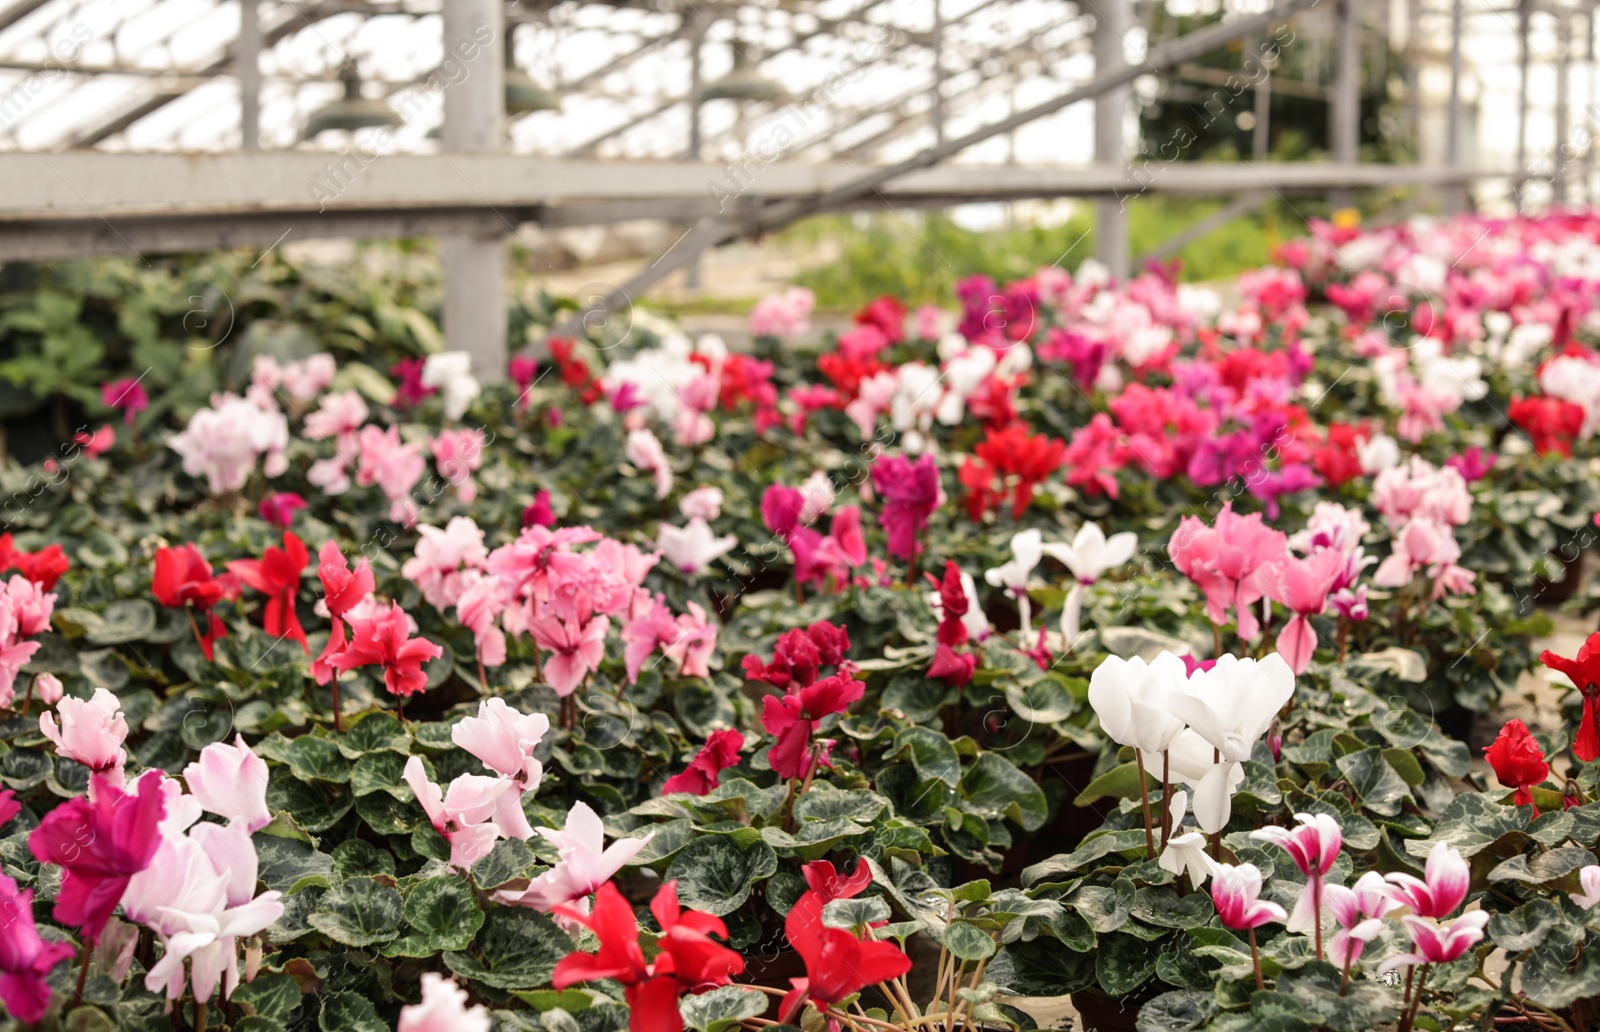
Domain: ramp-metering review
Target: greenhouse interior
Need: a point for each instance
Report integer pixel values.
(799, 515)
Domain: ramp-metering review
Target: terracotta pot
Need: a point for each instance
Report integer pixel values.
(1098, 1013)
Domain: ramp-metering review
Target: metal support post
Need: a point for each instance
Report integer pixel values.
(1111, 25)
(1345, 121)
(249, 66)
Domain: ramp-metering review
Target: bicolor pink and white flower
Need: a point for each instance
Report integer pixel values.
(585, 863)
(1358, 913)
(1440, 890)
(1236, 891)
(1313, 846)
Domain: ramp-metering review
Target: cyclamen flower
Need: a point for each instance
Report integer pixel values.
(279, 508)
(471, 814)
(386, 640)
(1223, 560)
(441, 556)
(100, 843)
(1230, 706)
(689, 961)
(1089, 556)
(231, 782)
(343, 589)
(586, 863)
(800, 655)
(839, 963)
(720, 752)
(911, 493)
(450, 373)
(959, 621)
(1438, 942)
(504, 740)
(457, 454)
(394, 467)
(26, 959)
(443, 1009)
(1027, 546)
(1442, 888)
(1518, 762)
(644, 451)
(90, 732)
(1314, 847)
(125, 395)
(277, 575)
(1589, 880)
(538, 512)
(703, 502)
(302, 380)
(693, 547)
(784, 316)
(793, 717)
(574, 649)
(1358, 911)
(1583, 670)
(44, 567)
(1302, 586)
(224, 442)
(1236, 891)
(1133, 700)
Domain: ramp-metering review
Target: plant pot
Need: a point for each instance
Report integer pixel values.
(1557, 592)
(1097, 1013)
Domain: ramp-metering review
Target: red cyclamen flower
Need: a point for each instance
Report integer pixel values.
(839, 963)
(794, 716)
(1584, 672)
(386, 640)
(689, 961)
(181, 577)
(277, 575)
(720, 752)
(44, 567)
(1518, 762)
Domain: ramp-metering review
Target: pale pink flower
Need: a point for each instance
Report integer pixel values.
(50, 689)
(340, 413)
(443, 1009)
(31, 605)
(231, 782)
(644, 451)
(483, 598)
(702, 502)
(441, 556)
(223, 442)
(504, 740)
(472, 814)
(457, 454)
(585, 863)
(90, 732)
(394, 467)
(1589, 882)
(784, 316)
(1358, 911)
(693, 547)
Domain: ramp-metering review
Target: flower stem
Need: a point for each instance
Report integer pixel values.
(333, 685)
(83, 974)
(1255, 958)
(1144, 799)
(1409, 1020)
(1344, 983)
(195, 627)
(1316, 909)
(199, 1016)
(1166, 796)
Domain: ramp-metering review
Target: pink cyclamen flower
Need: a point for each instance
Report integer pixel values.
(96, 444)
(472, 814)
(1313, 846)
(90, 732)
(279, 508)
(457, 454)
(1302, 586)
(1442, 888)
(231, 782)
(25, 957)
(574, 649)
(720, 752)
(441, 555)
(1358, 911)
(911, 493)
(586, 862)
(444, 1004)
(1438, 942)
(100, 843)
(504, 740)
(693, 547)
(704, 502)
(1236, 890)
(9, 807)
(644, 451)
(50, 689)
(125, 395)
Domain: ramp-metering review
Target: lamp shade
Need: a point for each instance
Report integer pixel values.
(351, 111)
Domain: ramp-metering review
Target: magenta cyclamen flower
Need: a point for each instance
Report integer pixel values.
(101, 843)
(1442, 887)
(1313, 846)
(1302, 586)
(1438, 942)
(1236, 890)
(25, 958)
(125, 395)
(911, 493)
(1358, 911)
